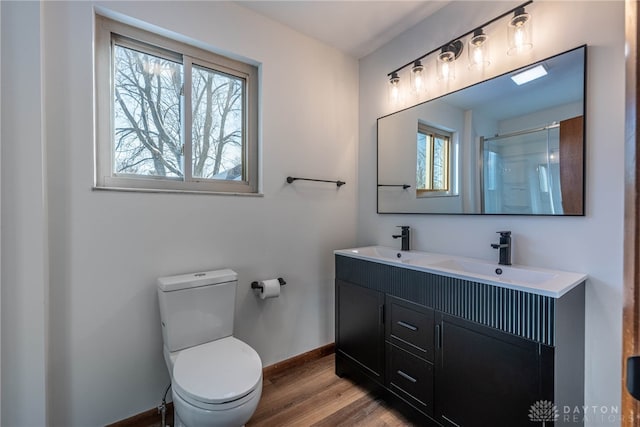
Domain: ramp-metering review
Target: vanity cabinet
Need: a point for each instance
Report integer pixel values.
(451, 352)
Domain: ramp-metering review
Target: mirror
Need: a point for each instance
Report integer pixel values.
(493, 148)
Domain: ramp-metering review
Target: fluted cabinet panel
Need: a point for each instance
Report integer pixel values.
(519, 313)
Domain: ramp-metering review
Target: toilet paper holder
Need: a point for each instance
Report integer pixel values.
(257, 285)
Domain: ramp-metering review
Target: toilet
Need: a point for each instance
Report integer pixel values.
(216, 378)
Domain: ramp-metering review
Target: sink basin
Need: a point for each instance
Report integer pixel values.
(385, 253)
(496, 272)
(552, 283)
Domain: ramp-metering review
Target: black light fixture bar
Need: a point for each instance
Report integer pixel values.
(462, 36)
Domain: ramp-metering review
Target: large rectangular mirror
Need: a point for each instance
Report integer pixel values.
(497, 147)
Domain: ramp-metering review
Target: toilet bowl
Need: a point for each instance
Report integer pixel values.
(216, 384)
(216, 378)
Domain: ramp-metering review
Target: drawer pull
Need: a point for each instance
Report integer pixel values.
(450, 422)
(407, 325)
(406, 376)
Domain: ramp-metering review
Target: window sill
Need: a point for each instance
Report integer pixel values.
(172, 191)
(422, 194)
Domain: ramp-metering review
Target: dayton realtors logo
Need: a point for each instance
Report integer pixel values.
(543, 411)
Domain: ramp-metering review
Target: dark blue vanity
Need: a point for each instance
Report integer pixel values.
(451, 351)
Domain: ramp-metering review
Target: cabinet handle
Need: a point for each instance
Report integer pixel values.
(407, 325)
(449, 421)
(381, 314)
(438, 338)
(406, 376)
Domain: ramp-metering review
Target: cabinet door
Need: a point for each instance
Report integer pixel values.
(360, 327)
(485, 377)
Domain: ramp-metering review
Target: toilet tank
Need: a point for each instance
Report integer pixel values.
(196, 308)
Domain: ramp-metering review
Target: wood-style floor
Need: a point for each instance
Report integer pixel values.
(312, 395)
(308, 395)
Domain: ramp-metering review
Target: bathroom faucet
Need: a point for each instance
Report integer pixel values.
(504, 246)
(405, 237)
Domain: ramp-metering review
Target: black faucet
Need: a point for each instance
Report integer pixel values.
(405, 237)
(504, 246)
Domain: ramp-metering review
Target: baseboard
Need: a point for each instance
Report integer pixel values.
(152, 417)
(301, 359)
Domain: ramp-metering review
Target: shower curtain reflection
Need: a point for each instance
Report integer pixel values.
(521, 172)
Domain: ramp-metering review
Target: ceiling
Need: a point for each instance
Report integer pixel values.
(500, 98)
(354, 27)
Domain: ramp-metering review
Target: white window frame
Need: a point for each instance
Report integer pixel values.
(106, 31)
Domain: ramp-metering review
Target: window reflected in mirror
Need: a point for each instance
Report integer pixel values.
(432, 169)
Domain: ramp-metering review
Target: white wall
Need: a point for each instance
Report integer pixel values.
(108, 248)
(24, 222)
(0, 215)
(590, 244)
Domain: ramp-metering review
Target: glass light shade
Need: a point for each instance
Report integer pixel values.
(394, 88)
(478, 50)
(418, 78)
(446, 65)
(519, 33)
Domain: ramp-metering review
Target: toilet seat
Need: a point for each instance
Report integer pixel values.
(220, 373)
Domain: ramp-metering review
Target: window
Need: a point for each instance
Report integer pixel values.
(432, 169)
(171, 116)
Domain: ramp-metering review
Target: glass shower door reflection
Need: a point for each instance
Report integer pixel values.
(521, 173)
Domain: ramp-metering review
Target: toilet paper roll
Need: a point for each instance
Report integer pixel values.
(270, 288)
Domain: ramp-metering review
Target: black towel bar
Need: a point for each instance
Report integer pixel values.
(404, 186)
(290, 179)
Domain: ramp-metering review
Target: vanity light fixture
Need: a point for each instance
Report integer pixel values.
(529, 74)
(478, 50)
(519, 32)
(418, 74)
(446, 60)
(519, 35)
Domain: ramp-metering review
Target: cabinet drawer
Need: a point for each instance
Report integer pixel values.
(410, 377)
(411, 324)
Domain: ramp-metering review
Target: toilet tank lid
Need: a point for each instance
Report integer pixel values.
(194, 280)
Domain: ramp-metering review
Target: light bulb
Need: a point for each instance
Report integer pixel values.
(519, 32)
(478, 50)
(394, 88)
(445, 70)
(477, 56)
(446, 64)
(394, 93)
(519, 37)
(419, 82)
(418, 78)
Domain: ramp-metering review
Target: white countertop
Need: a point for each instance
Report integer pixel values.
(552, 283)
